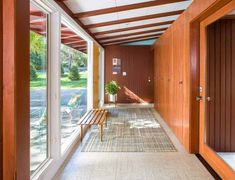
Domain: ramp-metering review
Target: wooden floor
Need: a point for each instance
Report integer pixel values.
(132, 166)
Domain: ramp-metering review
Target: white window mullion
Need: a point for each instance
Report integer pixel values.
(90, 50)
(54, 81)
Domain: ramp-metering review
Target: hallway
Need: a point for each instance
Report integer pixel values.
(133, 165)
(117, 89)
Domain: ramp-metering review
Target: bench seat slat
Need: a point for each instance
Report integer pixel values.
(92, 116)
(84, 117)
(98, 120)
(96, 117)
(88, 118)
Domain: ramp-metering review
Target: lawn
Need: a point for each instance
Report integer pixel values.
(66, 83)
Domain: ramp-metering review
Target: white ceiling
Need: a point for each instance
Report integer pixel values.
(78, 6)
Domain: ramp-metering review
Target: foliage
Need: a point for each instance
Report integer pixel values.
(70, 57)
(61, 70)
(74, 74)
(38, 50)
(33, 72)
(112, 88)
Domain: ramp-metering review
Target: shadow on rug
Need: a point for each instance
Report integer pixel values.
(130, 130)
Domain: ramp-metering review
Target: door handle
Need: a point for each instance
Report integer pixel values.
(198, 98)
(208, 99)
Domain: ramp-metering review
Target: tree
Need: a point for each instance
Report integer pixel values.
(74, 74)
(33, 72)
(38, 50)
(70, 56)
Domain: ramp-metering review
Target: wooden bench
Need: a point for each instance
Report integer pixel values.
(94, 117)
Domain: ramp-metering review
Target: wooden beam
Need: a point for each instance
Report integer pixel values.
(1, 92)
(133, 28)
(140, 18)
(36, 13)
(132, 34)
(125, 8)
(79, 45)
(71, 14)
(72, 39)
(16, 107)
(129, 41)
(69, 36)
(74, 42)
(145, 36)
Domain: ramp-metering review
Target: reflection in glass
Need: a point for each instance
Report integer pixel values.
(38, 87)
(73, 83)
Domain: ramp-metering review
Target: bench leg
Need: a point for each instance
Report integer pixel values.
(101, 132)
(105, 121)
(81, 132)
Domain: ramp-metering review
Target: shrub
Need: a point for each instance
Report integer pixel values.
(74, 74)
(33, 72)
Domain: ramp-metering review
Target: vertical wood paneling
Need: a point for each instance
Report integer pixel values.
(179, 108)
(137, 62)
(232, 133)
(228, 82)
(221, 83)
(1, 85)
(96, 55)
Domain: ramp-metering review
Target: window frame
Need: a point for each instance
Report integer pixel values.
(56, 157)
(48, 16)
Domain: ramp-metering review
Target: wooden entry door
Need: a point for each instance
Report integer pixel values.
(212, 97)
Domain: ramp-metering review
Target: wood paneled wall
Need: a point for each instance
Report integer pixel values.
(1, 88)
(221, 85)
(174, 78)
(137, 62)
(16, 79)
(96, 56)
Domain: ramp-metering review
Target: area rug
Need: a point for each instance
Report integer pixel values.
(129, 130)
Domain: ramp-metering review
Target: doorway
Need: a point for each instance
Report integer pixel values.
(217, 90)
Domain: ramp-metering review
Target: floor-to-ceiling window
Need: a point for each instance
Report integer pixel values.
(60, 85)
(73, 97)
(38, 87)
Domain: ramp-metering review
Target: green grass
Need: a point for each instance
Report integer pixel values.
(66, 83)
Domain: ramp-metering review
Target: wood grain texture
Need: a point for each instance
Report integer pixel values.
(220, 84)
(96, 55)
(16, 89)
(176, 72)
(1, 89)
(137, 61)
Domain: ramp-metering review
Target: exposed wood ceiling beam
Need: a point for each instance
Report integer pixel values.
(37, 13)
(69, 39)
(133, 38)
(74, 42)
(133, 28)
(132, 34)
(140, 18)
(129, 41)
(69, 36)
(79, 46)
(40, 23)
(125, 8)
(37, 20)
(70, 13)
